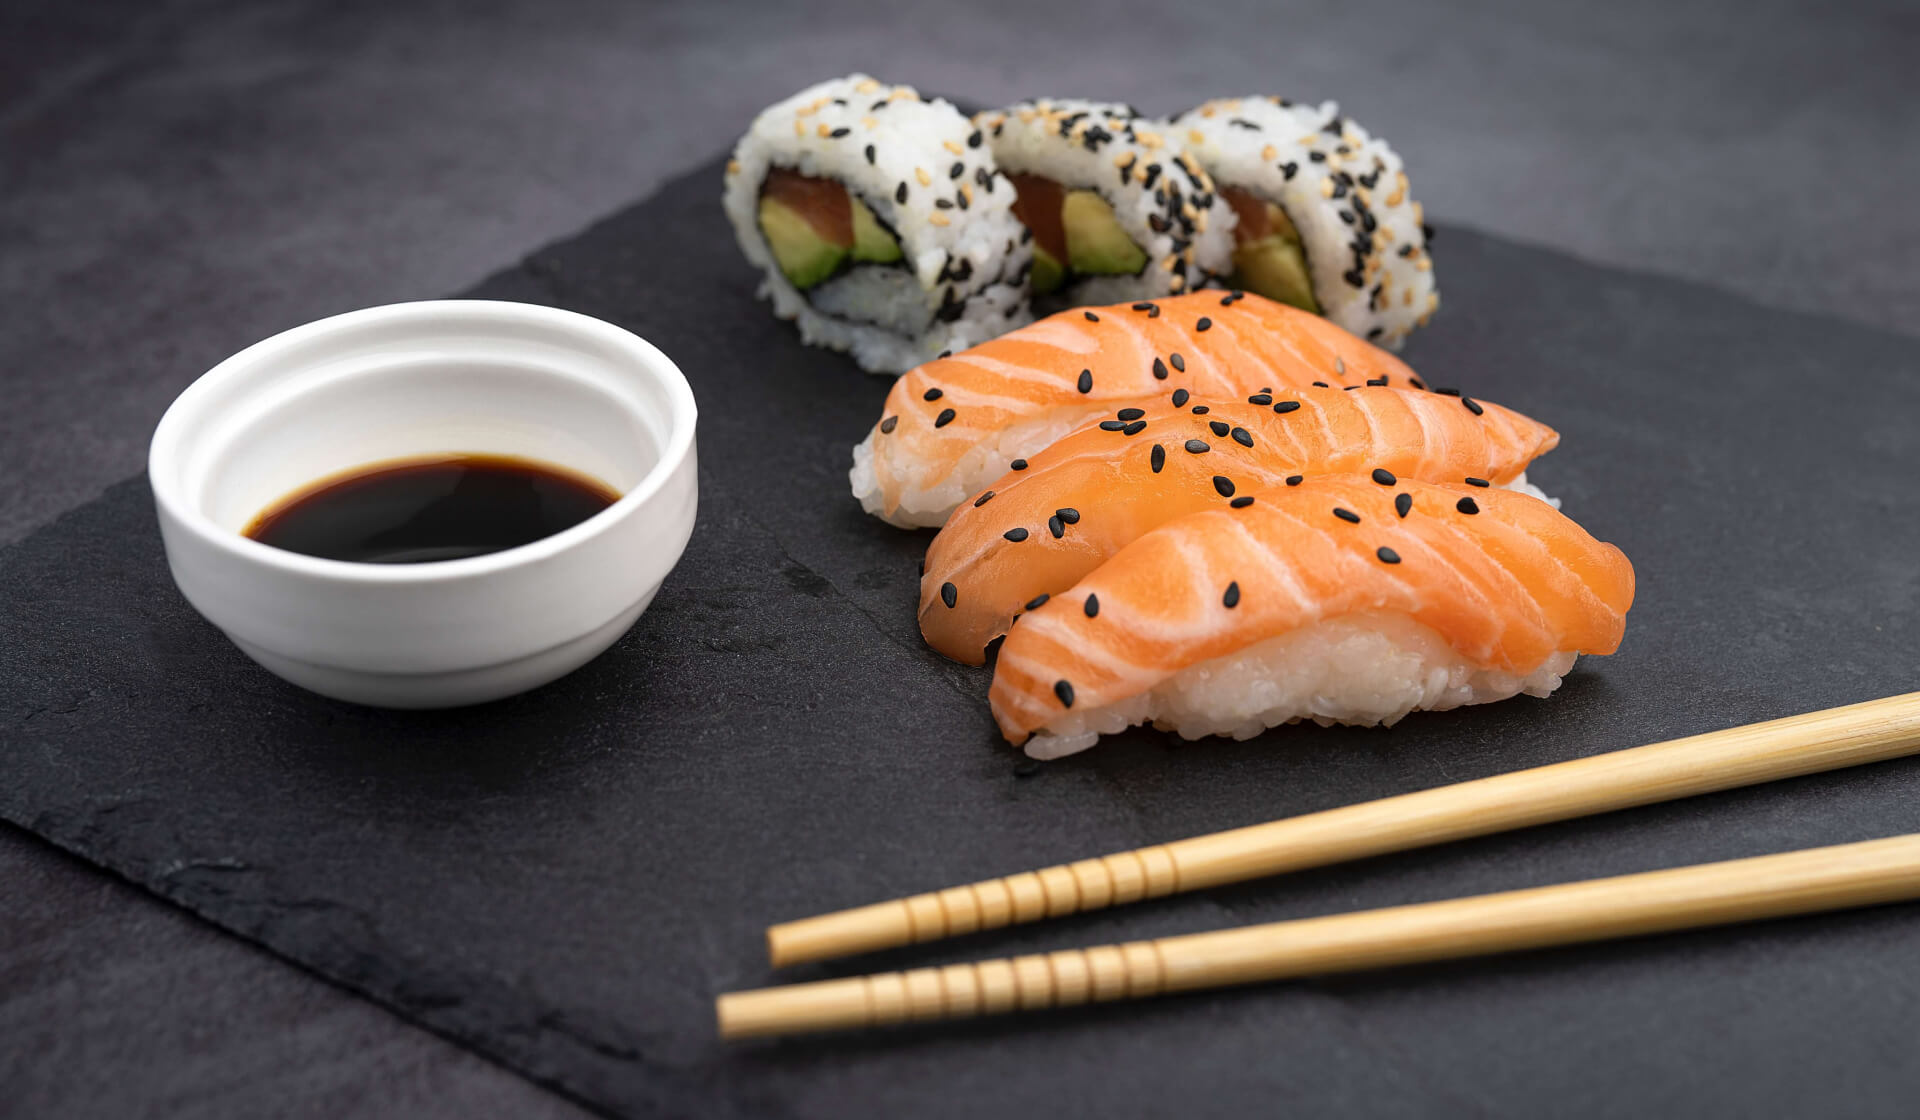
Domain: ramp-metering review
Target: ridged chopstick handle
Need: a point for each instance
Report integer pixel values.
(1804, 882)
(1060, 979)
(1089, 884)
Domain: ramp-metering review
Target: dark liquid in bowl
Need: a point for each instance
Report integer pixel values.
(444, 507)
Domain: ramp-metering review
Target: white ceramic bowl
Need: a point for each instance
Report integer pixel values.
(417, 379)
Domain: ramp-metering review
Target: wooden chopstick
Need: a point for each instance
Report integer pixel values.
(1711, 894)
(1719, 760)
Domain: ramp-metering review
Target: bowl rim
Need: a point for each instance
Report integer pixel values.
(163, 450)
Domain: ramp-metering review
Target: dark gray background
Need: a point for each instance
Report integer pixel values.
(178, 180)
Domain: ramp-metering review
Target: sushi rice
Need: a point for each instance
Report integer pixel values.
(1364, 669)
(930, 179)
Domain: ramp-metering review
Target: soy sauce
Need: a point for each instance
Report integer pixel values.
(445, 507)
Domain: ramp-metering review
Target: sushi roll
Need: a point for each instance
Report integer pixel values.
(953, 425)
(1326, 217)
(1037, 532)
(1323, 601)
(880, 223)
(1116, 212)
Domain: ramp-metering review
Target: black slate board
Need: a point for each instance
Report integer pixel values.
(566, 879)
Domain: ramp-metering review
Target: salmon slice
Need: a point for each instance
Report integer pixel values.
(824, 203)
(1343, 609)
(956, 423)
(1036, 532)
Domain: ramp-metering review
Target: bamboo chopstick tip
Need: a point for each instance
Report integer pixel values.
(878, 926)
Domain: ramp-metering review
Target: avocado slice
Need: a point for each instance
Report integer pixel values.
(1048, 274)
(1095, 242)
(1267, 255)
(1276, 268)
(871, 241)
(805, 258)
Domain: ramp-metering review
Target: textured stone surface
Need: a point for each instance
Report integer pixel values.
(564, 880)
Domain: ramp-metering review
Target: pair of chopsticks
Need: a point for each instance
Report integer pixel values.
(1802, 882)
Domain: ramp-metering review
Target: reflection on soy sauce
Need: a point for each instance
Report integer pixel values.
(442, 507)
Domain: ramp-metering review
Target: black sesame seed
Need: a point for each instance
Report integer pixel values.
(943, 203)
(1284, 407)
(1177, 362)
(1219, 427)
(1201, 410)
(1294, 479)
(932, 395)
(1018, 464)
(1204, 324)
(1091, 317)
(1473, 406)
(1159, 370)
(1015, 535)
(983, 499)
(945, 418)
(1448, 392)
(1112, 425)
(1242, 502)
(1478, 482)
(1154, 311)
(838, 133)
(1232, 598)
(1056, 526)
(949, 594)
(1467, 505)
(1387, 555)
(1093, 605)
(889, 424)
(1068, 514)
(1158, 458)
(1289, 169)
(1143, 306)
(1260, 398)
(1224, 485)
(900, 193)
(1416, 383)
(1384, 477)
(1131, 414)
(1403, 504)
(974, 140)
(946, 353)
(1065, 692)
(1038, 601)
(1346, 515)
(957, 170)
(1198, 446)
(1377, 382)
(1134, 428)
(1317, 157)
(1322, 385)
(1243, 437)
(1085, 383)
(1179, 398)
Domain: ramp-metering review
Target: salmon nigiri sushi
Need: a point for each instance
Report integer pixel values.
(1333, 600)
(1036, 532)
(955, 424)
